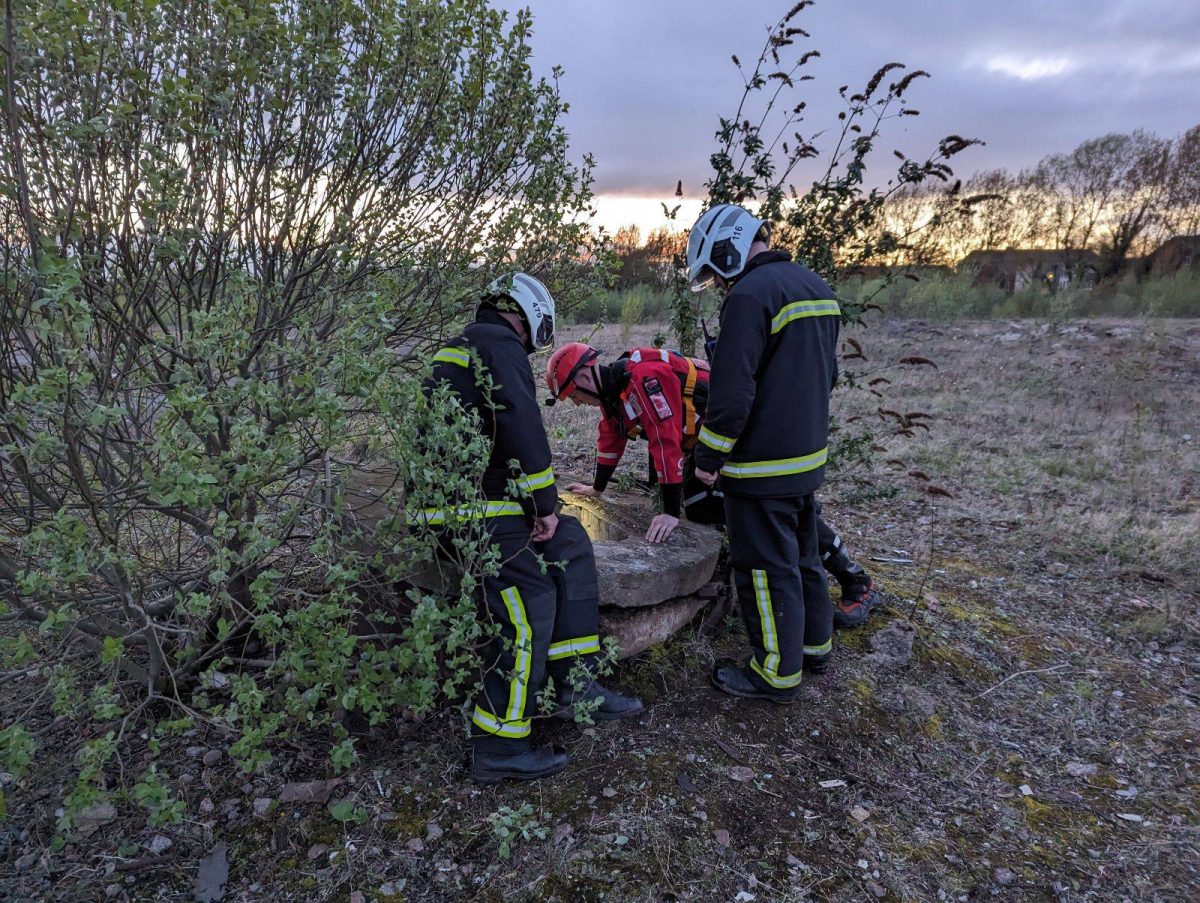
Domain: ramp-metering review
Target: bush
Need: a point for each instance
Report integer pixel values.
(202, 319)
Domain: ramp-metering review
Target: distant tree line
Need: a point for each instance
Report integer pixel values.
(1119, 196)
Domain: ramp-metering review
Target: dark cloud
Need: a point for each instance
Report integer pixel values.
(647, 79)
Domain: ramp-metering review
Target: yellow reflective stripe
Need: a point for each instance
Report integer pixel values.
(539, 480)
(779, 683)
(798, 310)
(567, 648)
(523, 652)
(453, 356)
(485, 720)
(769, 669)
(437, 516)
(716, 441)
(779, 468)
(825, 647)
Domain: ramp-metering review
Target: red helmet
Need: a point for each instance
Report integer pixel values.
(564, 365)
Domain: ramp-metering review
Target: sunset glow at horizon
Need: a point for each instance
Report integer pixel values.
(616, 210)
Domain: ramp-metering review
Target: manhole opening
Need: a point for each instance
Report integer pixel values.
(598, 527)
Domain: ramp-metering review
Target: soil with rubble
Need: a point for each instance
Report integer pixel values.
(1019, 720)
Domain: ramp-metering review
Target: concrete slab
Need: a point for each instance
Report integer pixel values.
(646, 590)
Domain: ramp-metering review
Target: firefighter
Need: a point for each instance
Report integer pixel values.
(545, 595)
(765, 434)
(662, 397)
(650, 393)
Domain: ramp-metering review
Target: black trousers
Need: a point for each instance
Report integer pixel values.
(780, 584)
(548, 621)
(706, 505)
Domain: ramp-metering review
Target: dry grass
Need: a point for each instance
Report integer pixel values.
(1051, 701)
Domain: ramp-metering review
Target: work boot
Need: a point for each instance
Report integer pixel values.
(613, 705)
(817, 664)
(732, 678)
(530, 765)
(858, 598)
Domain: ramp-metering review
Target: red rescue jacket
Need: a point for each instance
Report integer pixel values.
(663, 400)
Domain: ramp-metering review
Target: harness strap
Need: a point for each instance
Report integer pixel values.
(690, 420)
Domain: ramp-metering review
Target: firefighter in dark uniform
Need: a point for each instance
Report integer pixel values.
(545, 595)
(765, 433)
(662, 396)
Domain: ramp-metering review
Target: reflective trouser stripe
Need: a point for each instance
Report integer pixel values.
(539, 480)
(485, 720)
(798, 310)
(438, 516)
(819, 650)
(716, 441)
(780, 468)
(515, 724)
(769, 669)
(567, 648)
(453, 356)
(837, 546)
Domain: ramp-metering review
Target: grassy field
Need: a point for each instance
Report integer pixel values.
(943, 297)
(1020, 721)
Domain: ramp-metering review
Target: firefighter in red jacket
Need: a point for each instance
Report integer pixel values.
(662, 397)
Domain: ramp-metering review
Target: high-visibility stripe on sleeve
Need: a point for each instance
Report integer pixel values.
(439, 516)
(824, 648)
(539, 480)
(782, 467)
(567, 648)
(514, 723)
(607, 457)
(768, 670)
(457, 356)
(798, 310)
(716, 441)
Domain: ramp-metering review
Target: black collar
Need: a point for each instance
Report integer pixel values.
(487, 314)
(771, 256)
(613, 379)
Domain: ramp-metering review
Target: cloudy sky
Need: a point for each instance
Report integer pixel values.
(647, 79)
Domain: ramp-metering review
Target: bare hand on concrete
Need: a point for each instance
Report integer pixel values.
(583, 489)
(705, 477)
(544, 527)
(661, 527)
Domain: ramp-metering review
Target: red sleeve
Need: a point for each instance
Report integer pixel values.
(610, 442)
(660, 398)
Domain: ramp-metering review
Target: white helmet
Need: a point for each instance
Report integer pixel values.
(719, 244)
(531, 299)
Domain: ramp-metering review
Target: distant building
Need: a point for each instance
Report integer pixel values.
(1173, 255)
(1021, 268)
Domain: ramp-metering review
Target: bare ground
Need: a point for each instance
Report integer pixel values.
(1038, 740)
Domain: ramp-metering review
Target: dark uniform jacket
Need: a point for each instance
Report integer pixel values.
(773, 368)
(508, 409)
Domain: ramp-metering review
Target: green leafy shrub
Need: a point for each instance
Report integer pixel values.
(208, 324)
(512, 826)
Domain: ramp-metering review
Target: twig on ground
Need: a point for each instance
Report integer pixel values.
(1050, 670)
(912, 614)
